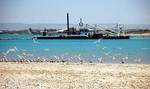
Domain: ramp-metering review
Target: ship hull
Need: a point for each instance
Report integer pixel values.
(81, 37)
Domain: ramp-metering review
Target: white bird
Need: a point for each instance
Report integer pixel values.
(46, 49)
(56, 57)
(104, 48)
(34, 41)
(120, 48)
(100, 59)
(113, 57)
(43, 58)
(108, 53)
(29, 54)
(137, 60)
(10, 50)
(126, 57)
(79, 58)
(61, 57)
(24, 53)
(4, 58)
(15, 48)
(144, 48)
(23, 49)
(97, 41)
(20, 57)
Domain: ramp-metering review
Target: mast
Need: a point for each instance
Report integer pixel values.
(68, 23)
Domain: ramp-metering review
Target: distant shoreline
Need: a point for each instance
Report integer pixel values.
(135, 34)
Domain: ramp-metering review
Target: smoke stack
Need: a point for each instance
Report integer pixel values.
(68, 23)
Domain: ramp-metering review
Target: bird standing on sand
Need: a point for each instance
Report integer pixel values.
(100, 59)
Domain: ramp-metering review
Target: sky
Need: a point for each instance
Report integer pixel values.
(91, 11)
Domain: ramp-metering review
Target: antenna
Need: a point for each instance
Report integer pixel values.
(81, 23)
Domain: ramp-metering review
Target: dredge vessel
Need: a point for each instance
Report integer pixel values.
(83, 33)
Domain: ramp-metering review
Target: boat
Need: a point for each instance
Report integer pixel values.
(81, 37)
(82, 33)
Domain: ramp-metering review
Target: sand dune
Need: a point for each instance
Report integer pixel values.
(74, 76)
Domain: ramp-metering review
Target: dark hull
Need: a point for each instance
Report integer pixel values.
(82, 37)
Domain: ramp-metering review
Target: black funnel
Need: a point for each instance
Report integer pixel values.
(68, 23)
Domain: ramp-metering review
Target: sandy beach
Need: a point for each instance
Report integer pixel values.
(139, 35)
(46, 75)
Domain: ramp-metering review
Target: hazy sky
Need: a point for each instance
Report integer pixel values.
(92, 11)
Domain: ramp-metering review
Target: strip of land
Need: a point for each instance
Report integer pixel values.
(44, 75)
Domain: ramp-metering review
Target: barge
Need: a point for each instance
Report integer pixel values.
(72, 33)
(81, 37)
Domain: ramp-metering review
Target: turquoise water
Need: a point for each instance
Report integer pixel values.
(16, 36)
(136, 50)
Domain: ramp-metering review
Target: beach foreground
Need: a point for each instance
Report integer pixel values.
(73, 76)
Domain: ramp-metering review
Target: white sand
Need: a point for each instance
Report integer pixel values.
(74, 76)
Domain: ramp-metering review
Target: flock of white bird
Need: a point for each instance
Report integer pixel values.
(26, 57)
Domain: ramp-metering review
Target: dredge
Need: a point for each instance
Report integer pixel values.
(87, 32)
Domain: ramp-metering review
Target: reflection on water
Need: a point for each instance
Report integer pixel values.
(107, 51)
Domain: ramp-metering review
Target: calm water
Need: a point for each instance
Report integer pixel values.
(134, 50)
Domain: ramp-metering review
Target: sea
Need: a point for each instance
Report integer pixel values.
(134, 50)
